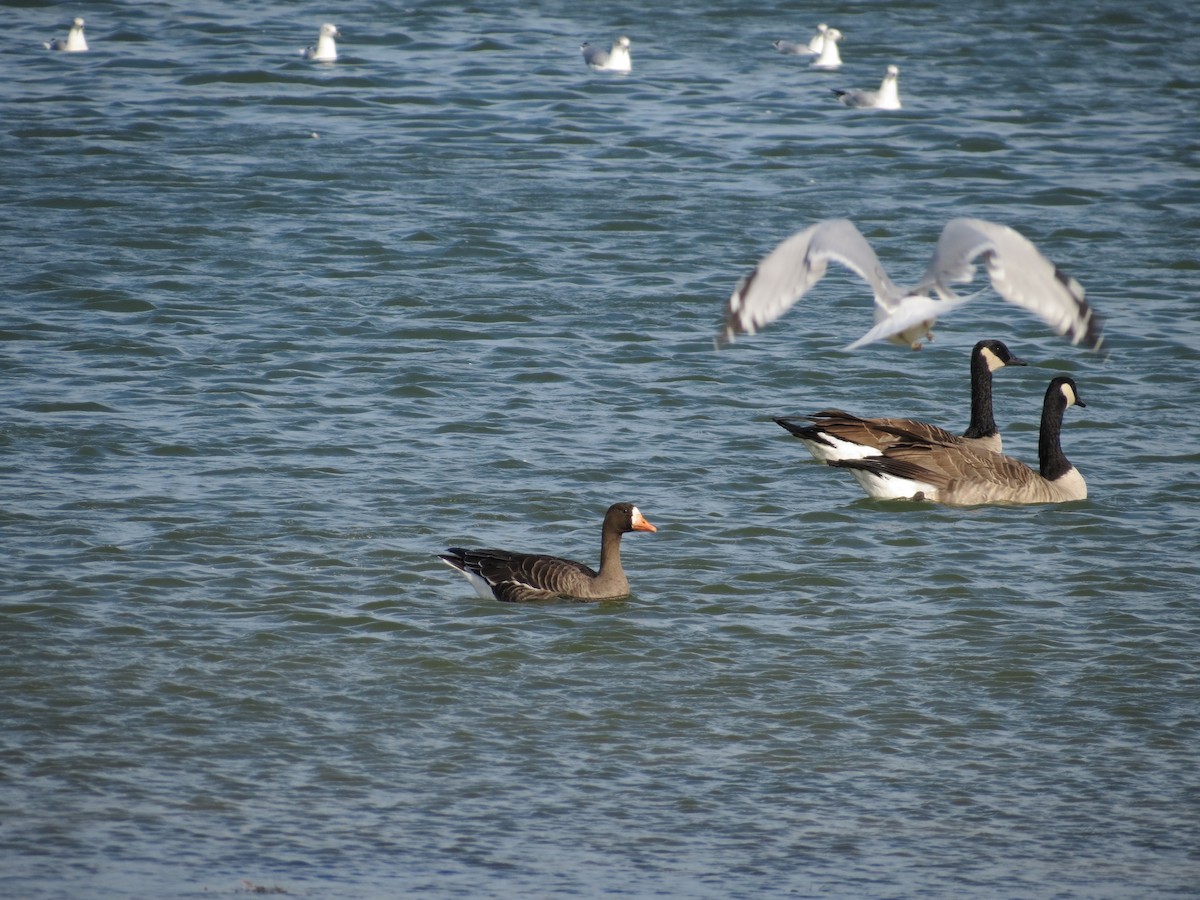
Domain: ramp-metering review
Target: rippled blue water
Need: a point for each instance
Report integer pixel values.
(275, 333)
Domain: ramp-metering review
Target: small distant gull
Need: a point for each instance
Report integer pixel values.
(1018, 272)
(812, 48)
(326, 49)
(75, 42)
(887, 97)
(615, 59)
(829, 58)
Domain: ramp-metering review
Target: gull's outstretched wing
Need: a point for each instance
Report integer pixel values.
(1019, 273)
(787, 272)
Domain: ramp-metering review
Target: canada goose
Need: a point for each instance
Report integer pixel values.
(887, 97)
(614, 59)
(75, 42)
(813, 48)
(833, 434)
(1018, 272)
(829, 57)
(961, 476)
(326, 49)
(515, 577)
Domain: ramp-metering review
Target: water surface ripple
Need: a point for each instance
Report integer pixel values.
(274, 333)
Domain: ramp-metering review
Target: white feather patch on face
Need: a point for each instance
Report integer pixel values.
(993, 361)
(1069, 394)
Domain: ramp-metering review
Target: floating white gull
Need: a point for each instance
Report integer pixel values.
(812, 48)
(1018, 272)
(615, 59)
(817, 43)
(75, 42)
(829, 58)
(887, 97)
(326, 49)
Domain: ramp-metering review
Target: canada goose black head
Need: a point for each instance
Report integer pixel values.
(1070, 392)
(996, 355)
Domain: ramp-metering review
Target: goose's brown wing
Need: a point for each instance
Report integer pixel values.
(516, 577)
(881, 432)
(965, 476)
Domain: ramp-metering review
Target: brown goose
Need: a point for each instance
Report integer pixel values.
(516, 577)
(832, 434)
(960, 476)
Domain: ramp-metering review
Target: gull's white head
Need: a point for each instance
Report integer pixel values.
(817, 43)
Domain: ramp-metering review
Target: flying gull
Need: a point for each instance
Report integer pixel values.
(1018, 272)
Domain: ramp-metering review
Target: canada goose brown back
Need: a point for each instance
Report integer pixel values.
(835, 434)
(961, 476)
(517, 577)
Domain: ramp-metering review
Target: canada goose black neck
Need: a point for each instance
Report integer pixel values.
(1059, 395)
(983, 420)
(986, 357)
